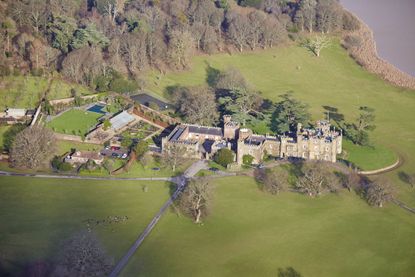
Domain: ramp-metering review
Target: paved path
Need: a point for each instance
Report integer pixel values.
(52, 176)
(181, 184)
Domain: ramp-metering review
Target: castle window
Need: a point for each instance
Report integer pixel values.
(304, 146)
(327, 149)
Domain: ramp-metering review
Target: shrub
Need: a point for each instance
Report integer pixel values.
(247, 159)
(65, 167)
(224, 157)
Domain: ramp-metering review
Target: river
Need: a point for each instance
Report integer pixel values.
(393, 25)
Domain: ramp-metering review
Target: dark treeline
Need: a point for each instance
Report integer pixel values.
(93, 42)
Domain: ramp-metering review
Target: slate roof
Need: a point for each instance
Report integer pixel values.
(213, 131)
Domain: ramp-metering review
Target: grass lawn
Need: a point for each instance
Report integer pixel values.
(368, 158)
(137, 170)
(334, 80)
(74, 122)
(251, 233)
(26, 91)
(38, 214)
(66, 146)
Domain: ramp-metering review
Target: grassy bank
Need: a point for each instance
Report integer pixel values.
(26, 91)
(251, 233)
(37, 216)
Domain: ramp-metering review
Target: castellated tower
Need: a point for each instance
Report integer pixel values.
(230, 128)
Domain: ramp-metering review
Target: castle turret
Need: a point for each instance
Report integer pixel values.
(230, 128)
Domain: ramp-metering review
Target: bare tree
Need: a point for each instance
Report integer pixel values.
(173, 156)
(239, 30)
(274, 32)
(308, 10)
(257, 25)
(316, 179)
(272, 180)
(329, 16)
(316, 44)
(196, 199)
(197, 104)
(133, 48)
(181, 48)
(82, 255)
(379, 192)
(33, 147)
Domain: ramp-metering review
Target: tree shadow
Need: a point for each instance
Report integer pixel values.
(288, 272)
(333, 113)
(212, 75)
(406, 178)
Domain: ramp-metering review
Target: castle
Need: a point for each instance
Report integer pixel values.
(202, 142)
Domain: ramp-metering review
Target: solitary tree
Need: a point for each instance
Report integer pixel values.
(33, 147)
(358, 132)
(174, 156)
(378, 193)
(82, 255)
(317, 44)
(195, 200)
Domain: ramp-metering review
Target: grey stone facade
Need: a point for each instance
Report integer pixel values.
(202, 142)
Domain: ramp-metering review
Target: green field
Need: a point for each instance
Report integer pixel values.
(334, 80)
(37, 216)
(74, 122)
(370, 157)
(26, 91)
(251, 233)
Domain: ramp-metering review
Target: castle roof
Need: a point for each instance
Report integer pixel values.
(203, 130)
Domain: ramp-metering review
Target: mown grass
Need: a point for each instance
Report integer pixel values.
(333, 80)
(37, 215)
(26, 91)
(74, 122)
(251, 233)
(66, 146)
(371, 157)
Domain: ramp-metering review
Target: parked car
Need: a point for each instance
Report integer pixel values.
(125, 155)
(115, 148)
(260, 166)
(156, 168)
(214, 169)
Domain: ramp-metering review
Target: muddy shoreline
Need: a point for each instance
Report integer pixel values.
(367, 56)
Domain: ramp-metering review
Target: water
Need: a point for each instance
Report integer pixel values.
(393, 25)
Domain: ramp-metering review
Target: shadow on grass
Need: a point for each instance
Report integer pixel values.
(288, 272)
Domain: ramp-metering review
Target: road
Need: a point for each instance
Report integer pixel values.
(181, 184)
